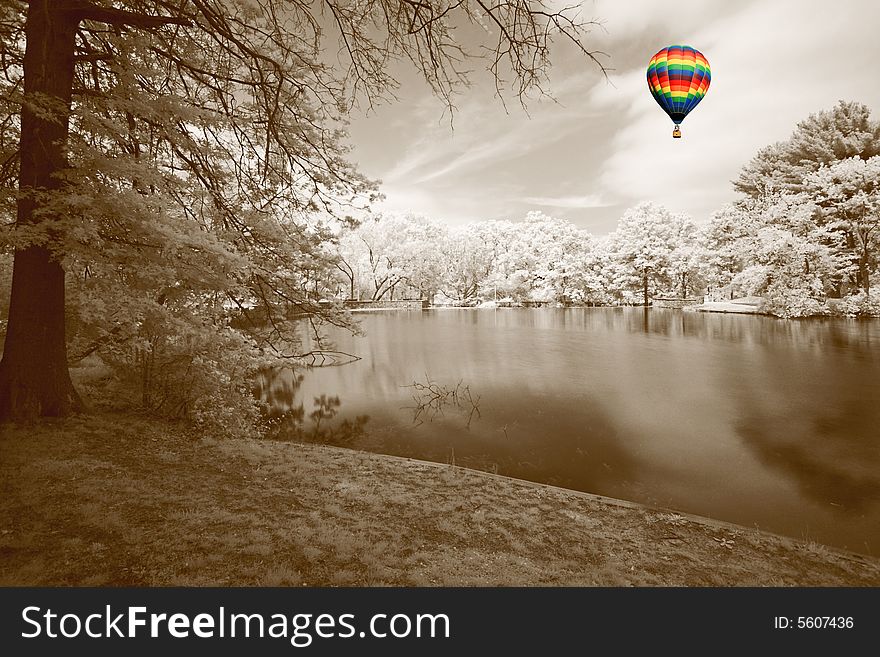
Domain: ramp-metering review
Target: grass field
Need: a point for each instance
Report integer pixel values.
(114, 500)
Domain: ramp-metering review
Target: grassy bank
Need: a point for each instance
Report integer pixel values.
(120, 500)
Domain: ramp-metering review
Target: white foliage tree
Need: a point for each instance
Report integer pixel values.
(643, 244)
(172, 155)
(848, 196)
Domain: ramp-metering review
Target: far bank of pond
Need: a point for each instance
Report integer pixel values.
(765, 423)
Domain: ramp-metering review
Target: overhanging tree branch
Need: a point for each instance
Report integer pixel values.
(89, 11)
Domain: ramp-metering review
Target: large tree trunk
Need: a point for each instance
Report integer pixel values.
(34, 379)
(645, 286)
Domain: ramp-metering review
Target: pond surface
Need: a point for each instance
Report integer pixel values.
(763, 422)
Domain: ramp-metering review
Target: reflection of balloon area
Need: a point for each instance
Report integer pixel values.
(678, 77)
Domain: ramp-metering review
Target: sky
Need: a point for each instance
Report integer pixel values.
(602, 146)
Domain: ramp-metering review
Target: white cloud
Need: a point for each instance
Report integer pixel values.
(587, 201)
(483, 137)
(608, 145)
(633, 16)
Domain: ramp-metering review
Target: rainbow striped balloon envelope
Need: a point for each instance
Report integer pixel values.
(678, 77)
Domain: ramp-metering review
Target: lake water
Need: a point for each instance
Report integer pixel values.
(767, 423)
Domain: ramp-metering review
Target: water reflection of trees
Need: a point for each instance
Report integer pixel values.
(285, 418)
(756, 329)
(552, 394)
(830, 332)
(277, 389)
(432, 399)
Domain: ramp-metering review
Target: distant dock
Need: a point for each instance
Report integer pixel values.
(746, 306)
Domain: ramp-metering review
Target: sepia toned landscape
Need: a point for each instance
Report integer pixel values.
(396, 293)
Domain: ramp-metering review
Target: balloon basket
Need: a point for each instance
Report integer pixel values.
(676, 133)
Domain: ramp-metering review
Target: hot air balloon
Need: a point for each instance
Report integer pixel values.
(678, 77)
